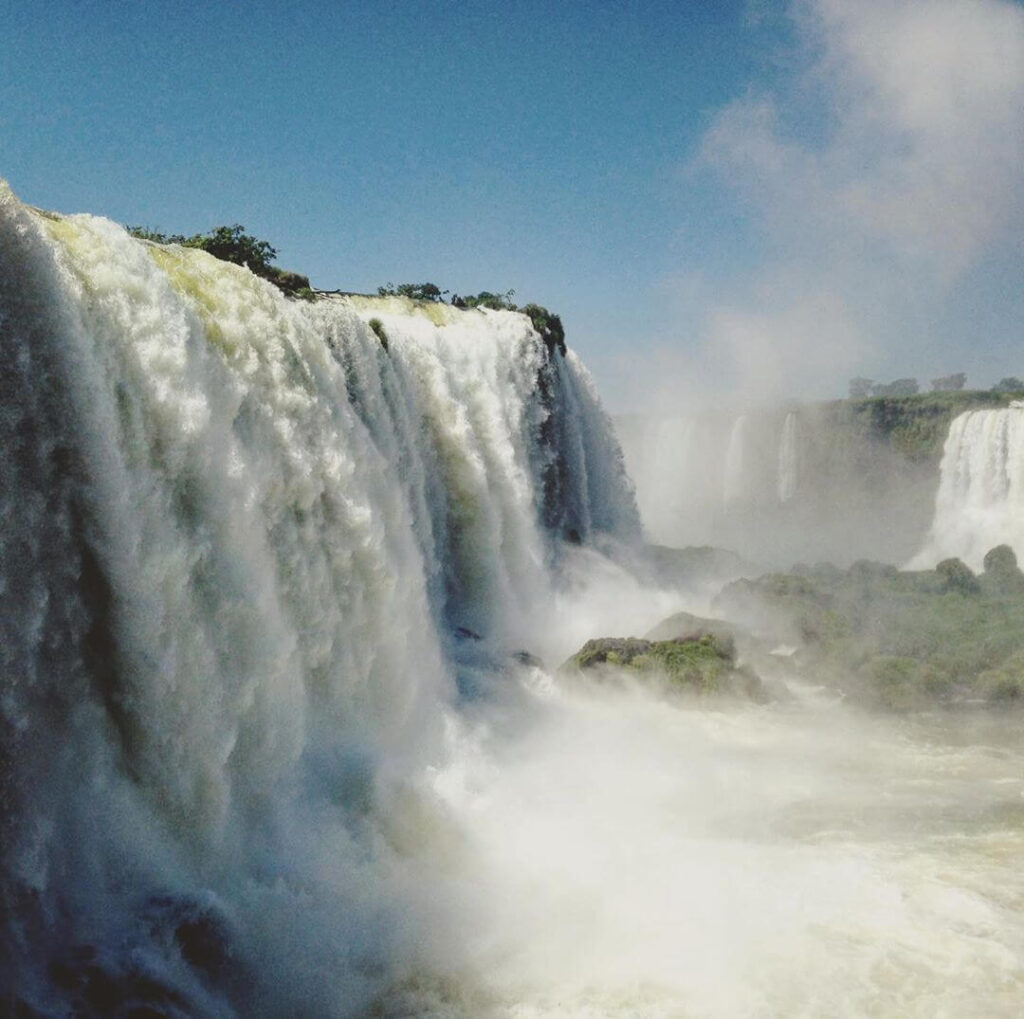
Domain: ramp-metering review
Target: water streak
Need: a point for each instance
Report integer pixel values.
(789, 459)
(980, 500)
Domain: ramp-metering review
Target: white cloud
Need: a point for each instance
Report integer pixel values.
(914, 176)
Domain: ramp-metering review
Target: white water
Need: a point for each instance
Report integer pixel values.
(980, 501)
(253, 766)
(628, 857)
(734, 481)
(244, 551)
(789, 459)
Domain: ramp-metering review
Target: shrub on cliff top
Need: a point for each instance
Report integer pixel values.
(233, 244)
(414, 291)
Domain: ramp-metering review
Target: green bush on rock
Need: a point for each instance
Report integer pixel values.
(378, 328)
(233, 244)
(414, 291)
(893, 639)
(1002, 574)
(703, 664)
(957, 576)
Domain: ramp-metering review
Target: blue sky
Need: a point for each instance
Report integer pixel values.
(733, 197)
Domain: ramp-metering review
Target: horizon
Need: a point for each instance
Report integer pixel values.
(717, 198)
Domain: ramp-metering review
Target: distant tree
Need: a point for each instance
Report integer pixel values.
(899, 387)
(145, 233)
(949, 382)
(415, 291)
(860, 388)
(1002, 574)
(1011, 384)
(485, 299)
(957, 576)
(548, 325)
(233, 244)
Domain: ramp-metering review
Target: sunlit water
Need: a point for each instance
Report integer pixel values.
(265, 747)
(623, 855)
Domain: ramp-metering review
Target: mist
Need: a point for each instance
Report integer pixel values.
(626, 856)
(875, 186)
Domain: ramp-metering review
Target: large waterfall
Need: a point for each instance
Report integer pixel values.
(980, 501)
(274, 738)
(246, 543)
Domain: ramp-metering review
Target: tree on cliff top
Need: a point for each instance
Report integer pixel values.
(233, 244)
(949, 382)
(899, 387)
(1011, 384)
(415, 291)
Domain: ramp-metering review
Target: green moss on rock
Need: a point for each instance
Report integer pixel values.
(898, 640)
(704, 664)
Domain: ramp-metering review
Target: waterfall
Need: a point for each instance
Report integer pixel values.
(734, 481)
(980, 500)
(661, 466)
(788, 459)
(238, 537)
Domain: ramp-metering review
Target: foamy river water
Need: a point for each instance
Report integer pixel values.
(620, 856)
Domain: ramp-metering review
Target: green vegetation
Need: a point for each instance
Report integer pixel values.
(485, 299)
(913, 426)
(414, 291)
(861, 388)
(898, 639)
(1011, 384)
(702, 663)
(949, 382)
(378, 327)
(233, 244)
(548, 325)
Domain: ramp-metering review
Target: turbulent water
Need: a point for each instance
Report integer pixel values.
(980, 502)
(271, 741)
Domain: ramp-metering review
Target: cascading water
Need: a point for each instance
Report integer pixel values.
(980, 501)
(734, 480)
(238, 535)
(789, 459)
(264, 750)
(662, 465)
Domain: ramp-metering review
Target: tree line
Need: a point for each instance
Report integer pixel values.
(233, 244)
(547, 323)
(862, 388)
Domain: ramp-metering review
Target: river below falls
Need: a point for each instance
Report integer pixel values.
(614, 854)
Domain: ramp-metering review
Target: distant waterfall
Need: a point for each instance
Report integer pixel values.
(734, 479)
(980, 501)
(788, 459)
(240, 541)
